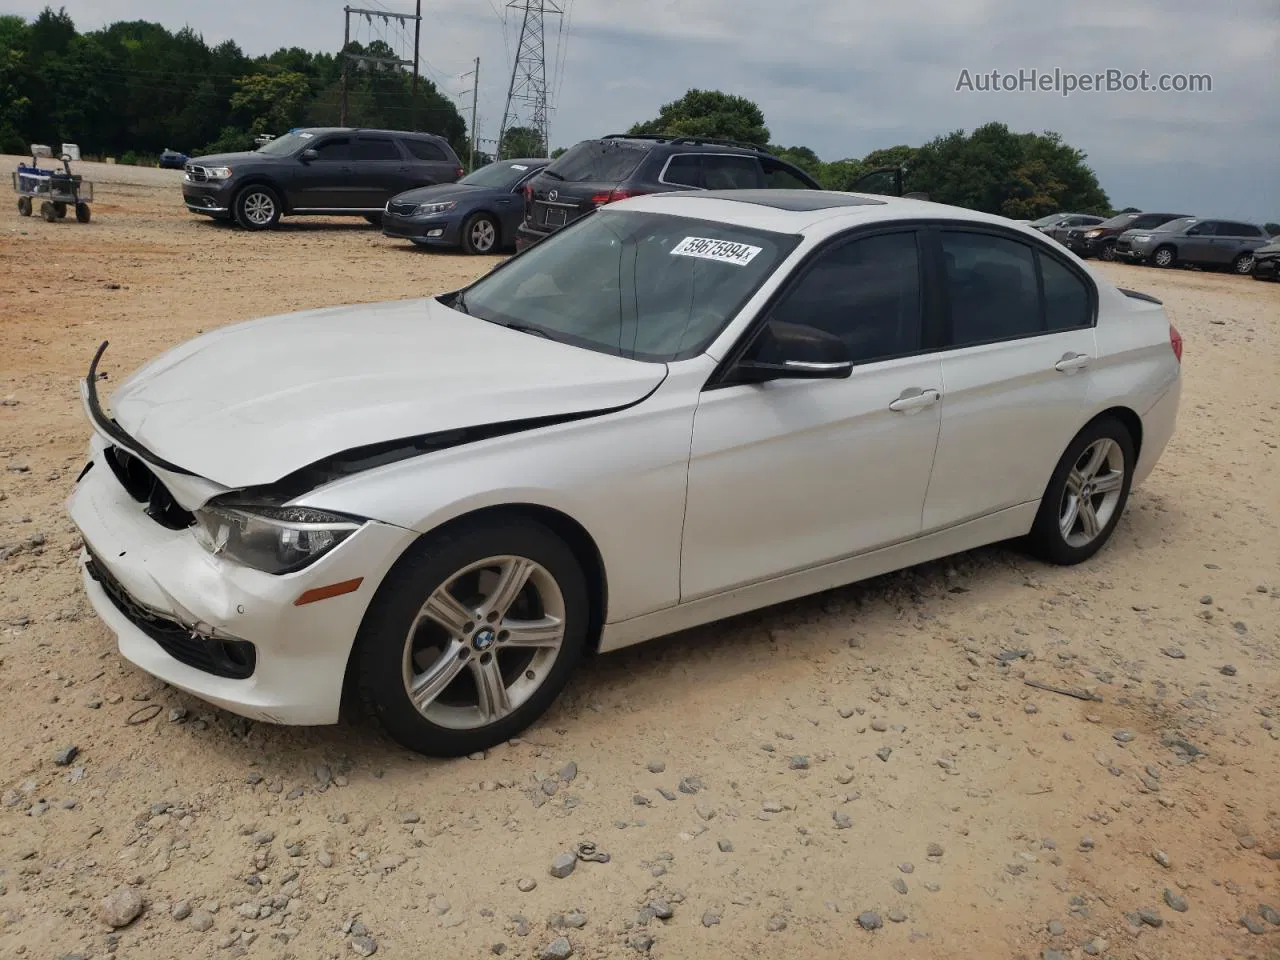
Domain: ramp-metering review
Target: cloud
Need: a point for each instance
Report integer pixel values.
(847, 78)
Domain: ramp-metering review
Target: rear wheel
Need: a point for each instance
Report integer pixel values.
(472, 636)
(60, 209)
(48, 212)
(1086, 494)
(82, 212)
(1243, 264)
(257, 208)
(480, 234)
(1164, 257)
(24, 206)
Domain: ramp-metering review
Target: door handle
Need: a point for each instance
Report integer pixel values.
(913, 399)
(1072, 361)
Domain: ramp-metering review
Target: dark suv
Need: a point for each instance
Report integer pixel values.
(596, 172)
(1100, 241)
(319, 171)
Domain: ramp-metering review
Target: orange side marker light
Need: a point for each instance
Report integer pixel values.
(332, 590)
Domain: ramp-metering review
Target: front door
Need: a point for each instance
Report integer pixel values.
(1016, 376)
(791, 474)
(327, 181)
(1197, 245)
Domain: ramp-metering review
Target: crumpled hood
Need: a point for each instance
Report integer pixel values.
(250, 403)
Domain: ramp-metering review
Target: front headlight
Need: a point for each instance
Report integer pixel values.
(217, 173)
(425, 208)
(1093, 233)
(1140, 237)
(268, 538)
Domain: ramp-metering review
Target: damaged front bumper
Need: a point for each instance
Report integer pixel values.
(229, 634)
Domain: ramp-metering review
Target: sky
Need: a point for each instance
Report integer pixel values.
(845, 78)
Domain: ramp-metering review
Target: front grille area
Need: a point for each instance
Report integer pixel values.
(235, 659)
(402, 209)
(1123, 244)
(196, 174)
(144, 486)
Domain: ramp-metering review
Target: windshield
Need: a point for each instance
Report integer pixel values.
(503, 174)
(286, 144)
(1120, 221)
(599, 161)
(1174, 225)
(1045, 221)
(641, 285)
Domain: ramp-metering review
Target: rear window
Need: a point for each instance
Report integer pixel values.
(599, 161)
(426, 150)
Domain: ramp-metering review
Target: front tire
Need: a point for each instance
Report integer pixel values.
(1086, 494)
(1107, 253)
(480, 234)
(1164, 257)
(257, 208)
(82, 213)
(24, 206)
(1242, 264)
(472, 636)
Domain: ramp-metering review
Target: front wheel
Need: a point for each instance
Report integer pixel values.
(48, 211)
(1108, 252)
(60, 209)
(1243, 264)
(257, 208)
(82, 212)
(480, 234)
(1164, 257)
(1086, 494)
(472, 636)
(24, 206)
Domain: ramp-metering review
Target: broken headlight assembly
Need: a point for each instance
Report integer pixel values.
(272, 539)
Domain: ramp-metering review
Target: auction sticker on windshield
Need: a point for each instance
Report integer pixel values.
(722, 251)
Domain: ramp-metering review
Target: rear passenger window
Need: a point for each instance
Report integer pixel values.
(375, 148)
(1238, 230)
(684, 169)
(1066, 297)
(426, 150)
(866, 292)
(780, 178)
(991, 285)
(729, 172)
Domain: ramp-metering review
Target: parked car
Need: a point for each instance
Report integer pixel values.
(1100, 241)
(1266, 261)
(1057, 225)
(172, 159)
(596, 172)
(710, 402)
(325, 171)
(480, 213)
(1193, 240)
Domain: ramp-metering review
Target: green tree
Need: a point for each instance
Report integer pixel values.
(521, 142)
(709, 113)
(271, 102)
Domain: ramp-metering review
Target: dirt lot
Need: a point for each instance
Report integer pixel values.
(985, 818)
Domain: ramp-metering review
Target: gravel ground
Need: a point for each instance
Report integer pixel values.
(860, 773)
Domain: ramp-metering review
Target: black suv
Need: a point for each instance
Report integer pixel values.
(325, 171)
(596, 172)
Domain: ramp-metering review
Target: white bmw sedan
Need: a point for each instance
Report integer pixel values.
(680, 408)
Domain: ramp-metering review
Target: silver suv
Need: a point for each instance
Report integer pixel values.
(1193, 240)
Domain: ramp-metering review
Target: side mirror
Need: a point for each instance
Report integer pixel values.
(306, 156)
(793, 351)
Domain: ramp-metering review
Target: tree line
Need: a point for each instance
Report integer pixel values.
(135, 88)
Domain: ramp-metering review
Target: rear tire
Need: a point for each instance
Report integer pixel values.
(24, 206)
(480, 235)
(1086, 494)
(82, 212)
(484, 661)
(257, 207)
(60, 209)
(48, 212)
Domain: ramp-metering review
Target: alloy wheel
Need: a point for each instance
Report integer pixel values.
(484, 642)
(483, 235)
(1163, 257)
(1092, 492)
(259, 208)
(1244, 265)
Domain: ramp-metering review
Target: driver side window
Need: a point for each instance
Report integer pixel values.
(866, 292)
(336, 150)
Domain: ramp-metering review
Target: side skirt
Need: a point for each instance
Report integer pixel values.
(1004, 525)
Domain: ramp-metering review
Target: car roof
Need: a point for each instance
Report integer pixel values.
(414, 134)
(683, 144)
(824, 211)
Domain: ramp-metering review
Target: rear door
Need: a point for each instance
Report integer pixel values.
(1236, 238)
(328, 181)
(428, 163)
(580, 180)
(1016, 379)
(379, 170)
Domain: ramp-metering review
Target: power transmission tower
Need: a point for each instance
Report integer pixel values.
(348, 58)
(528, 88)
(475, 101)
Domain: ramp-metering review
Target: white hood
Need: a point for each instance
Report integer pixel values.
(250, 403)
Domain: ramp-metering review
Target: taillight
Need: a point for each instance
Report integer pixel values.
(618, 193)
(527, 190)
(1175, 341)
(461, 173)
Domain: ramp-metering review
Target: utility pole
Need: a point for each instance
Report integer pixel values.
(348, 58)
(475, 97)
(528, 85)
(417, 35)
